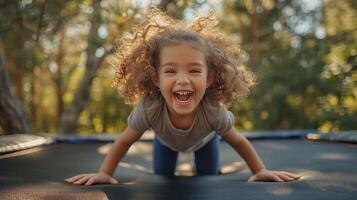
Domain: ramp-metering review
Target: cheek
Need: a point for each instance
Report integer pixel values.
(165, 85)
(202, 86)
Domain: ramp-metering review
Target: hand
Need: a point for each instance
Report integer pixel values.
(90, 179)
(277, 176)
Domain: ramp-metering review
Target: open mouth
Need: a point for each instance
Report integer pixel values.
(183, 97)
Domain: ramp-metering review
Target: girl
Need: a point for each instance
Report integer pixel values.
(185, 74)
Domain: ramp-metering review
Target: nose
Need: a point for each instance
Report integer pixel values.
(182, 80)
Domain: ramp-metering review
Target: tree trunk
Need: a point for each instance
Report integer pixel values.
(33, 103)
(69, 119)
(13, 118)
(19, 83)
(58, 77)
(254, 18)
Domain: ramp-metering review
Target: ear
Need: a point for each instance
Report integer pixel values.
(155, 80)
(210, 79)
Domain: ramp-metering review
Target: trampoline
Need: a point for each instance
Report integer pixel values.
(328, 169)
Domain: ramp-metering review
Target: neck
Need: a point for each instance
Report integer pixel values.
(181, 121)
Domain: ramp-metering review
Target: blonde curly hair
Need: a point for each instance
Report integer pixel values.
(137, 57)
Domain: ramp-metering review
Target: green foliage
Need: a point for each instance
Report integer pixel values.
(305, 59)
(305, 77)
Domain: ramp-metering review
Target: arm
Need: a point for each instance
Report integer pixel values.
(248, 153)
(118, 150)
(116, 153)
(245, 150)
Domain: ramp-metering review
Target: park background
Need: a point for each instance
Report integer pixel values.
(56, 76)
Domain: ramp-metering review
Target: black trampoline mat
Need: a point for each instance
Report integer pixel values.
(328, 171)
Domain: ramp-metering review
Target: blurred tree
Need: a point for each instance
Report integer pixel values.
(54, 51)
(13, 118)
(304, 53)
(340, 70)
(290, 53)
(69, 119)
(28, 27)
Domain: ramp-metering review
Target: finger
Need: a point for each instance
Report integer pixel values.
(287, 173)
(294, 176)
(285, 177)
(276, 178)
(113, 181)
(71, 179)
(252, 178)
(91, 181)
(74, 178)
(82, 180)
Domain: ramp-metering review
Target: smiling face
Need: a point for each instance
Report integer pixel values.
(182, 78)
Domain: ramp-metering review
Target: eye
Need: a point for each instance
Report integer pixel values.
(169, 71)
(195, 71)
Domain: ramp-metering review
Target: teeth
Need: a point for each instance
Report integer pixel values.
(183, 93)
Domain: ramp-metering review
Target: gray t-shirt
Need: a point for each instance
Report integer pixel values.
(209, 119)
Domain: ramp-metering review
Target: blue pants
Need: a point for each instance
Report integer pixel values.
(206, 159)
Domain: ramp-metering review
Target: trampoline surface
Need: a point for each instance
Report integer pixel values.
(328, 171)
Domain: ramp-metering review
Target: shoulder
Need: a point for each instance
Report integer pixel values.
(218, 117)
(149, 104)
(211, 108)
(145, 113)
(151, 108)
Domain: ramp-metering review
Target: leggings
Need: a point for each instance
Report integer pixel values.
(206, 158)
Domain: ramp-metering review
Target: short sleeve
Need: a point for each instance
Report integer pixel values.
(137, 118)
(224, 121)
(217, 116)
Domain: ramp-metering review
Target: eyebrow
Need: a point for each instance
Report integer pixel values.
(190, 64)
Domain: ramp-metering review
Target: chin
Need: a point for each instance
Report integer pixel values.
(184, 111)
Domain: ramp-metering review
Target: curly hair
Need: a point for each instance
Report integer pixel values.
(137, 57)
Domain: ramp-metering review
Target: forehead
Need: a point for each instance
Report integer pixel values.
(181, 53)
